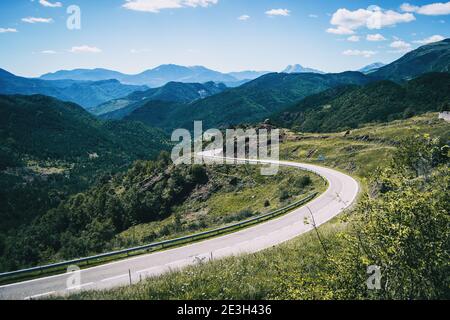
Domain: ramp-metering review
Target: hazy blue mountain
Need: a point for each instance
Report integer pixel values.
(297, 68)
(434, 57)
(154, 78)
(171, 92)
(253, 101)
(85, 93)
(85, 75)
(372, 67)
(163, 74)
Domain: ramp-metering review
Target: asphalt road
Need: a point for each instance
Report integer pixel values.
(340, 195)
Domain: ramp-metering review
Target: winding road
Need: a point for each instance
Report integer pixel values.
(341, 194)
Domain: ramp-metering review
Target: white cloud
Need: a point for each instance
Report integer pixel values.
(400, 46)
(37, 20)
(156, 6)
(46, 3)
(278, 12)
(8, 30)
(375, 37)
(49, 52)
(353, 38)
(431, 39)
(85, 49)
(340, 30)
(361, 53)
(433, 9)
(346, 21)
(313, 16)
(406, 7)
(244, 17)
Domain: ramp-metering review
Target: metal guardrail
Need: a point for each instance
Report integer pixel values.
(166, 243)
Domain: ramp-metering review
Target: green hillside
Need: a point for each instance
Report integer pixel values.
(251, 102)
(50, 149)
(434, 57)
(350, 107)
(152, 201)
(171, 92)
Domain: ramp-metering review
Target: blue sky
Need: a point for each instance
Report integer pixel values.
(225, 35)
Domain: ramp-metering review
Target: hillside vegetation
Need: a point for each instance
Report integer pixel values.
(153, 200)
(350, 107)
(433, 57)
(251, 102)
(50, 149)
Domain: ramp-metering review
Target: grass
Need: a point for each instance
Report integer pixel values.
(251, 195)
(248, 277)
(267, 274)
(360, 151)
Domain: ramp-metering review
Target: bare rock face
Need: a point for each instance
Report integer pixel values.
(445, 116)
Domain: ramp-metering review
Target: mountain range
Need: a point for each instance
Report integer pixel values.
(348, 107)
(183, 102)
(171, 92)
(85, 93)
(158, 76)
(164, 74)
(271, 93)
(253, 101)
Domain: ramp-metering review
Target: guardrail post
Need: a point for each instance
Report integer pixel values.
(129, 273)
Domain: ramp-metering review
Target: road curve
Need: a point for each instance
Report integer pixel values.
(341, 194)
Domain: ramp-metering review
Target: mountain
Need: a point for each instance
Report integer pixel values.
(44, 127)
(163, 74)
(296, 68)
(372, 67)
(253, 101)
(85, 75)
(85, 93)
(51, 149)
(90, 94)
(352, 106)
(434, 57)
(173, 91)
(153, 78)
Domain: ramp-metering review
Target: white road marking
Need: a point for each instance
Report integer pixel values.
(115, 278)
(81, 286)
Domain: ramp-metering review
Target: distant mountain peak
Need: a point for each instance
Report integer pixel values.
(298, 68)
(372, 67)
